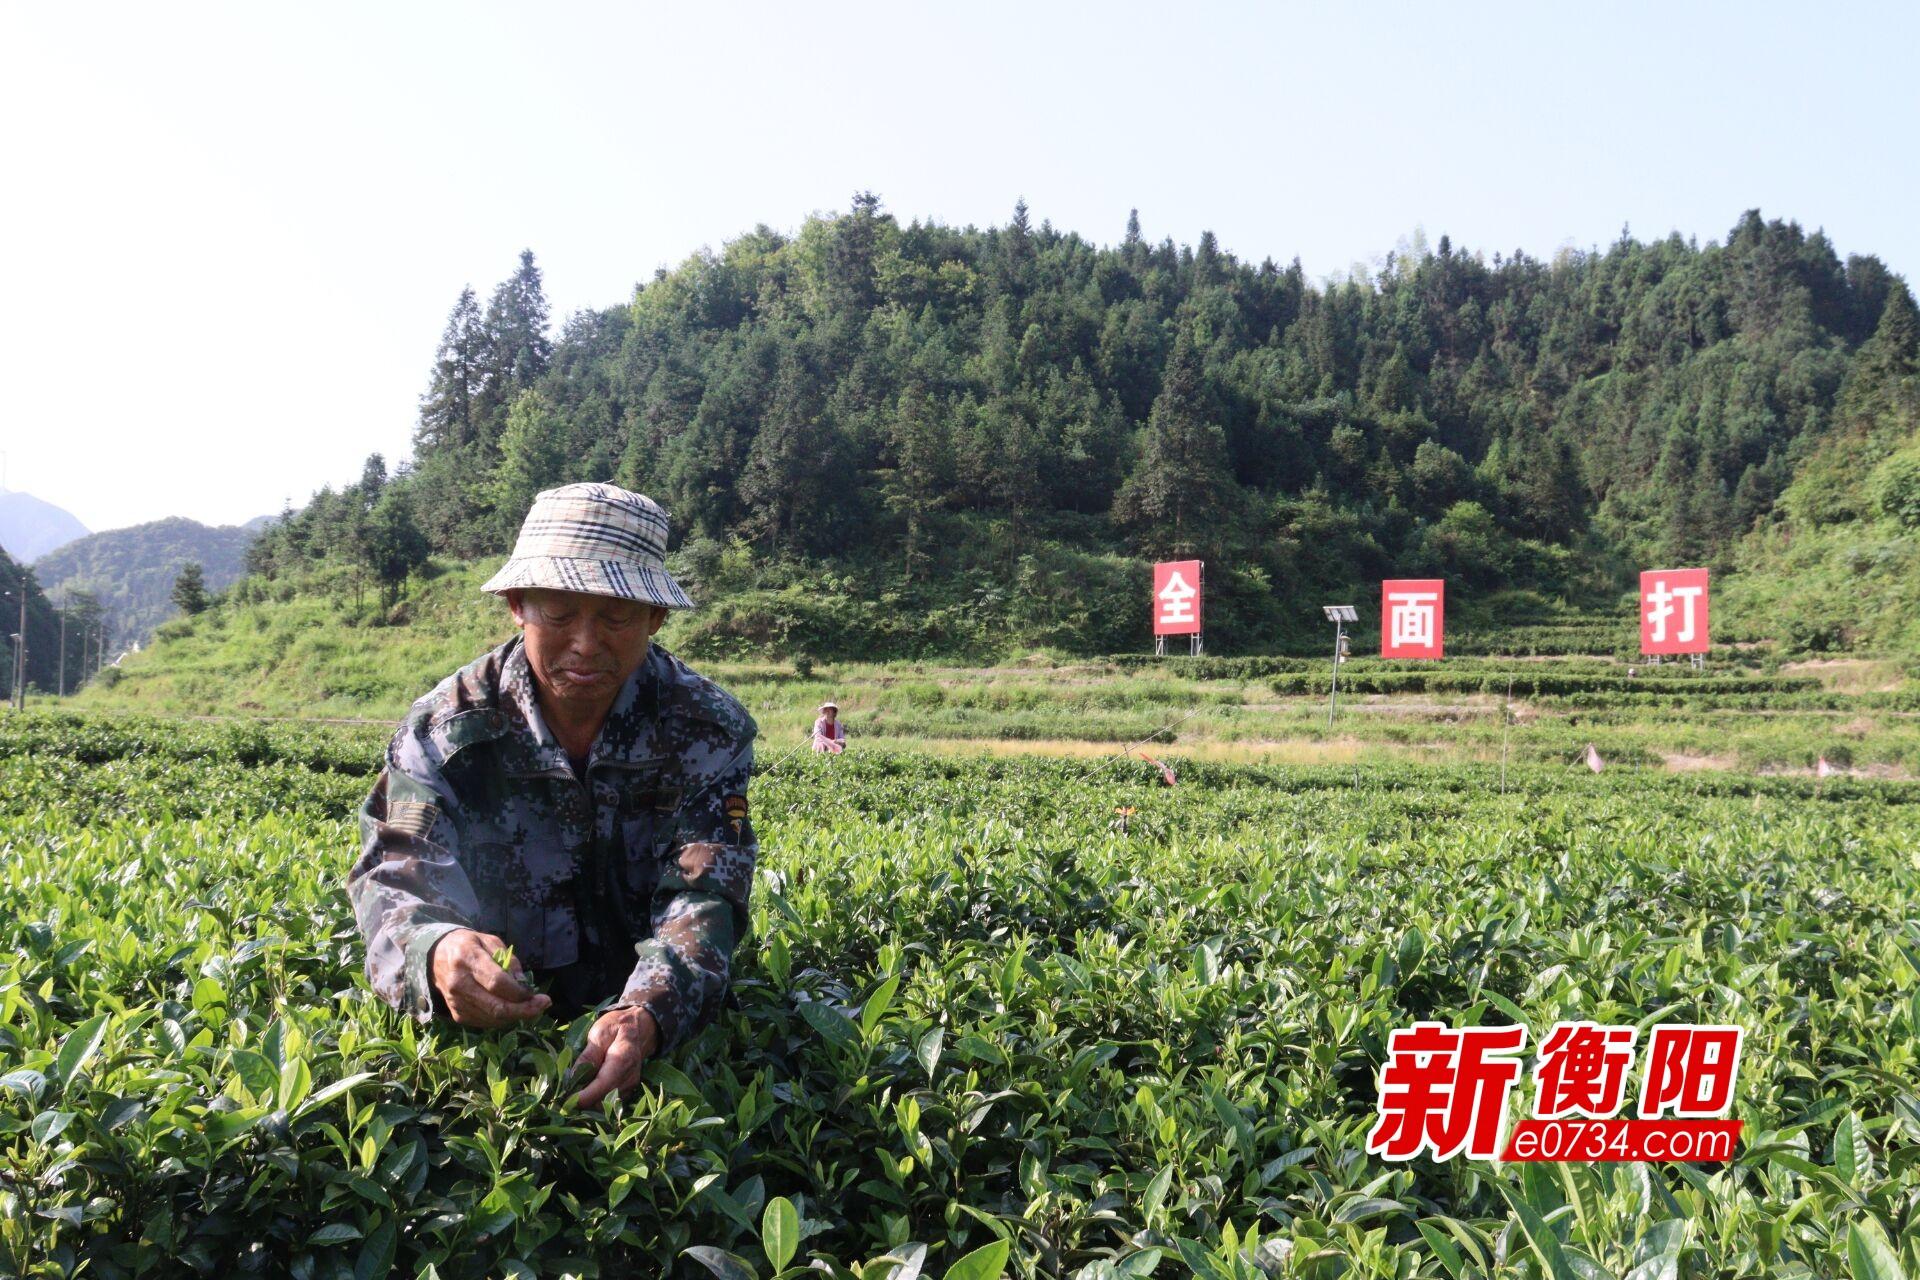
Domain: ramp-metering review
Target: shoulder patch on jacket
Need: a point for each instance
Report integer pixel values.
(412, 817)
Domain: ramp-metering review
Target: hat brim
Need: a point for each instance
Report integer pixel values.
(614, 578)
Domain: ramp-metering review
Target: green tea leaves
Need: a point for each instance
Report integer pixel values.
(877, 1004)
(780, 1232)
(726, 1266)
(1870, 1255)
(79, 1045)
(997, 1034)
(49, 1125)
(926, 1050)
(834, 1026)
(984, 1263)
(1852, 1157)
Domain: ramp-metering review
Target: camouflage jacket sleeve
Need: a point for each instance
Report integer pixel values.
(408, 887)
(699, 909)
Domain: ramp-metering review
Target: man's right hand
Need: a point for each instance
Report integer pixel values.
(478, 992)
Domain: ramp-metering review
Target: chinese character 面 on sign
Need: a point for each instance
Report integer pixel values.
(1176, 598)
(1673, 611)
(1412, 617)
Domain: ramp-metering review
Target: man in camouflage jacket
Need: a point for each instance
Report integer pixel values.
(577, 794)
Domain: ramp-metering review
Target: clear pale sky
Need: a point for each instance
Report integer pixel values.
(235, 230)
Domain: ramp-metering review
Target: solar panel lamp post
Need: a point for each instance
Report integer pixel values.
(1339, 615)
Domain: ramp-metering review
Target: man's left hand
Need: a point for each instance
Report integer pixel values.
(619, 1044)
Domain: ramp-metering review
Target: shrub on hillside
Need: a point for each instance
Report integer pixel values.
(1895, 487)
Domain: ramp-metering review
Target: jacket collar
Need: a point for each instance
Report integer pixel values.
(626, 739)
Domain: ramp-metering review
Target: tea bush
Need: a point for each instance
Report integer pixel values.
(982, 1022)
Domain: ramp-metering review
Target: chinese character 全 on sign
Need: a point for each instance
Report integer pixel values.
(1412, 617)
(1176, 598)
(1673, 611)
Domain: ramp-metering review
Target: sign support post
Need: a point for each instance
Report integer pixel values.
(1339, 615)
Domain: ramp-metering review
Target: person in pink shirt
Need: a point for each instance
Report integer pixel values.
(828, 733)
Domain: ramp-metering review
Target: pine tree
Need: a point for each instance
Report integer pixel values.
(1896, 342)
(190, 590)
(1206, 262)
(1133, 249)
(1017, 252)
(394, 546)
(920, 480)
(517, 348)
(1881, 390)
(1173, 501)
(850, 257)
(447, 408)
(373, 478)
(1013, 459)
(786, 471)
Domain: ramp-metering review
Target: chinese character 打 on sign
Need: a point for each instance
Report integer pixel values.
(1673, 611)
(1176, 598)
(1413, 615)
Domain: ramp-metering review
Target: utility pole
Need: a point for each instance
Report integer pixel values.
(20, 650)
(62, 682)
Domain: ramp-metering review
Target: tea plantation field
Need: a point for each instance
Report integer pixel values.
(982, 1024)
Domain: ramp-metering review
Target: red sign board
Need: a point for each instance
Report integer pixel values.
(1413, 616)
(1673, 611)
(1176, 598)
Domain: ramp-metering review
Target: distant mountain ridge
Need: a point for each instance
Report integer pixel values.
(30, 527)
(132, 570)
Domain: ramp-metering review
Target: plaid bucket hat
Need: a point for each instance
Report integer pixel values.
(595, 538)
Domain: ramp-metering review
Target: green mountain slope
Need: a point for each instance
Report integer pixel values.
(1838, 564)
(131, 571)
(998, 422)
(311, 652)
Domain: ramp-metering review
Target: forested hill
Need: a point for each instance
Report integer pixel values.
(982, 431)
(131, 571)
